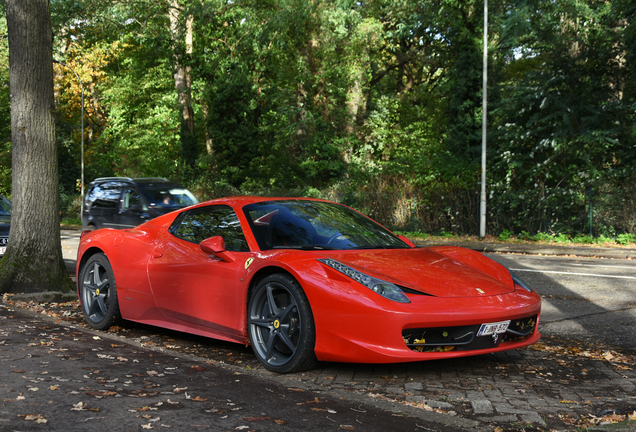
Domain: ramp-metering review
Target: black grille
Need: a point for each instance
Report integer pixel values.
(464, 338)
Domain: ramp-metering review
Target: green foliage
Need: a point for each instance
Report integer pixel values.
(374, 104)
(626, 239)
(505, 235)
(559, 126)
(5, 111)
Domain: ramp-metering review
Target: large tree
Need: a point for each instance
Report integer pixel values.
(33, 261)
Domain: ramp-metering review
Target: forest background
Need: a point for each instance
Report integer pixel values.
(375, 104)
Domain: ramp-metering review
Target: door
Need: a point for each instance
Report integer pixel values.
(197, 287)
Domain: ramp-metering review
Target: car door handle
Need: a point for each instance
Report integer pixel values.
(157, 253)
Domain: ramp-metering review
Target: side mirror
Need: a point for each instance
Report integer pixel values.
(407, 241)
(216, 245)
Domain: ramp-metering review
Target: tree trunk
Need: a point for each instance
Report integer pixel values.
(183, 82)
(33, 260)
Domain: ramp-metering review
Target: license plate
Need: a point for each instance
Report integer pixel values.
(2, 250)
(493, 328)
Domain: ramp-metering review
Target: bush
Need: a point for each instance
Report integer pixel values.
(505, 235)
(625, 239)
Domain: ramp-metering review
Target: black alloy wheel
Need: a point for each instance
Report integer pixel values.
(98, 293)
(281, 325)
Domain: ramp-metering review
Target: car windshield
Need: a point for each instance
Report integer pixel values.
(5, 207)
(305, 224)
(169, 197)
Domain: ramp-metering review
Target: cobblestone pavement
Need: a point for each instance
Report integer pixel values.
(553, 385)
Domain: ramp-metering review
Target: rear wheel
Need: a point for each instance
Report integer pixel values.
(98, 293)
(281, 325)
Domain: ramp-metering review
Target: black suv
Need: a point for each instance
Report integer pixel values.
(122, 202)
(5, 223)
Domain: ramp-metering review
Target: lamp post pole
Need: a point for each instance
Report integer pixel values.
(82, 137)
(482, 216)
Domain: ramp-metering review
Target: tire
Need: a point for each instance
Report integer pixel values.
(281, 326)
(98, 293)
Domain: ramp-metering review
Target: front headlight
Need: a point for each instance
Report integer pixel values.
(518, 281)
(385, 289)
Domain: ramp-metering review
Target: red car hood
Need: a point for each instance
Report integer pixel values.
(424, 270)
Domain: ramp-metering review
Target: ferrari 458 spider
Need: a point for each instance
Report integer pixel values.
(303, 281)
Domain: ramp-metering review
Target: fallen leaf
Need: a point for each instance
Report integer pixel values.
(316, 401)
(146, 408)
(197, 368)
(347, 427)
(198, 399)
(261, 418)
(80, 406)
(148, 426)
(279, 421)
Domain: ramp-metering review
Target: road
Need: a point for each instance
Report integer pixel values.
(582, 367)
(59, 378)
(586, 298)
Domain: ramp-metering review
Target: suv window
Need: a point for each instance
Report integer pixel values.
(105, 195)
(132, 200)
(204, 222)
(168, 196)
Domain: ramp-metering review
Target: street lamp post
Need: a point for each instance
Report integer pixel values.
(82, 137)
(482, 216)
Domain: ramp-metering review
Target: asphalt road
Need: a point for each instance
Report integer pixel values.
(593, 299)
(582, 369)
(60, 378)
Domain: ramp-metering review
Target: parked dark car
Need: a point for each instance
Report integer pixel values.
(5, 223)
(122, 202)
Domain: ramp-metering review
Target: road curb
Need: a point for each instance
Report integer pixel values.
(46, 296)
(545, 250)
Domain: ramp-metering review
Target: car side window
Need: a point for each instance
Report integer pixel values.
(105, 195)
(204, 222)
(132, 200)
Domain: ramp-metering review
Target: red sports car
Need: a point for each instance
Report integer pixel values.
(302, 281)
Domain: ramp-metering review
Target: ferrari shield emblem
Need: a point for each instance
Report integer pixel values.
(248, 262)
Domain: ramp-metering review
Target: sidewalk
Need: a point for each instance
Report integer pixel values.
(617, 252)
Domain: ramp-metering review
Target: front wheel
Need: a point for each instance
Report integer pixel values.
(98, 293)
(281, 325)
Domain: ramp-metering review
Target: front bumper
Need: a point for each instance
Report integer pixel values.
(385, 332)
